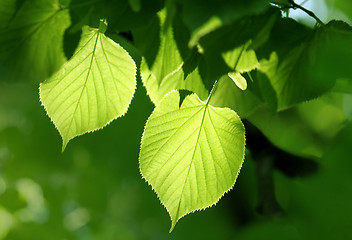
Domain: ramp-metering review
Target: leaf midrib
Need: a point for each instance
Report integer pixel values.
(84, 85)
(190, 165)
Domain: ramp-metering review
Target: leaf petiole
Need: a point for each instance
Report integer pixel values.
(310, 13)
(212, 91)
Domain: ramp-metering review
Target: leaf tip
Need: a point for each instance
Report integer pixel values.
(173, 224)
(64, 144)
(238, 79)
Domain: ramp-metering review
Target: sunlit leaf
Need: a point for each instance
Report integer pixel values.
(228, 94)
(94, 87)
(166, 72)
(241, 59)
(238, 79)
(232, 47)
(191, 153)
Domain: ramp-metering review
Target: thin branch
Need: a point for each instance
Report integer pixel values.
(310, 13)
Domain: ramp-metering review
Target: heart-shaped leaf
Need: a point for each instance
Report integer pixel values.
(191, 153)
(94, 87)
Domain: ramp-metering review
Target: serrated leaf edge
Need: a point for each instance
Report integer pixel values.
(173, 224)
(96, 129)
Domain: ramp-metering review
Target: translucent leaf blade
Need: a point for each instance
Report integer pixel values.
(239, 80)
(166, 72)
(191, 155)
(227, 94)
(94, 87)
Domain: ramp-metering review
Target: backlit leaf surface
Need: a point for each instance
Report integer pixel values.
(166, 73)
(191, 153)
(94, 87)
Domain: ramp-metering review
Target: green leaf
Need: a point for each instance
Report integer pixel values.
(231, 47)
(166, 72)
(31, 41)
(135, 5)
(7, 11)
(123, 15)
(342, 5)
(191, 154)
(299, 67)
(283, 3)
(227, 94)
(306, 129)
(203, 17)
(238, 79)
(336, 39)
(241, 59)
(93, 88)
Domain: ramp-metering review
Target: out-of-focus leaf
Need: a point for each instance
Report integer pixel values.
(123, 15)
(333, 60)
(203, 17)
(231, 47)
(227, 94)
(300, 66)
(342, 5)
(31, 41)
(7, 11)
(135, 5)
(166, 72)
(306, 129)
(241, 59)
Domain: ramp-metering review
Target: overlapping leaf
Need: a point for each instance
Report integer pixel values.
(229, 95)
(7, 11)
(94, 87)
(166, 72)
(31, 39)
(191, 153)
(212, 15)
(300, 67)
(231, 47)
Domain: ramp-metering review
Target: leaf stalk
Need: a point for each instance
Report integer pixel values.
(310, 13)
(212, 91)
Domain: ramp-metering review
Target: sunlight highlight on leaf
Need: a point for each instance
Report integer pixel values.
(167, 72)
(93, 88)
(238, 79)
(191, 154)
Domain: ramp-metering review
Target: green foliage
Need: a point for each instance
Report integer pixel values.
(214, 14)
(228, 94)
(94, 87)
(238, 79)
(166, 71)
(31, 42)
(192, 154)
(302, 72)
(290, 81)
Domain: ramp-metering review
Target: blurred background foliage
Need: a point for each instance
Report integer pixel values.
(94, 189)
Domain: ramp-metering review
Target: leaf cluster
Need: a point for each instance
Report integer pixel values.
(88, 55)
